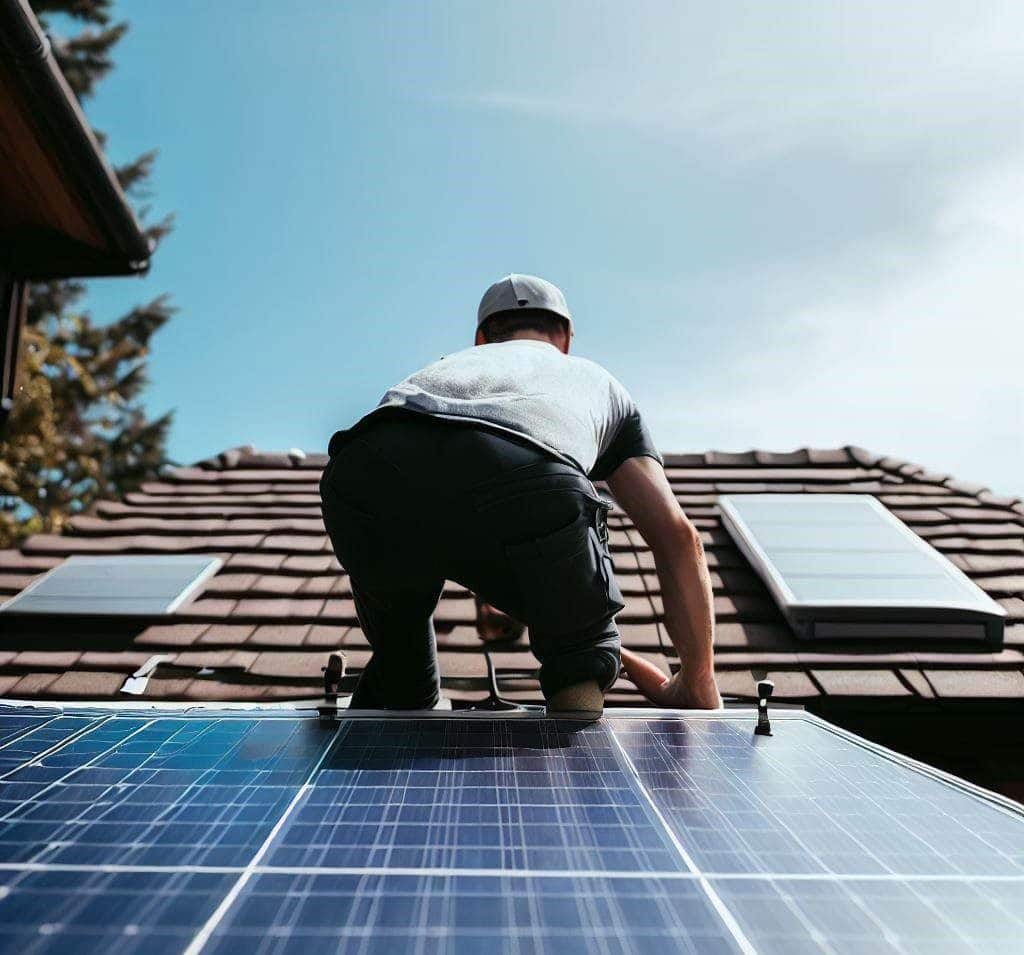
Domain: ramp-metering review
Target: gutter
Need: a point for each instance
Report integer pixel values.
(25, 48)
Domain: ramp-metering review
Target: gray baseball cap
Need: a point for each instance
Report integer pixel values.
(522, 291)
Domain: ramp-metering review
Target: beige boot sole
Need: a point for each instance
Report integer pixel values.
(582, 700)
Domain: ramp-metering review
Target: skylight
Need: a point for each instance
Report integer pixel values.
(842, 565)
(115, 586)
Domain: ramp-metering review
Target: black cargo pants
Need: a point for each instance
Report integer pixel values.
(410, 501)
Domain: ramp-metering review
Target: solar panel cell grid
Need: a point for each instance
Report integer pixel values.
(14, 726)
(912, 917)
(806, 801)
(474, 794)
(486, 914)
(102, 912)
(159, 792)
(234, 833)
(28, 737)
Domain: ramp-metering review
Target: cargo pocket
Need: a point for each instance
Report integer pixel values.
(564, 578)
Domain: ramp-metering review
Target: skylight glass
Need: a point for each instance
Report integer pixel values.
(129, 585)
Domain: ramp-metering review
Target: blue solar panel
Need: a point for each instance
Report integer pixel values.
(915, 916)
(472, 913)
(806, 801)
(534, 794)
(13, 725)
(170, 791)
(82, 912)
(242, 832)
(32, 735)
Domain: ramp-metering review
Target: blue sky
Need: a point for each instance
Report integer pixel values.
(778, 225)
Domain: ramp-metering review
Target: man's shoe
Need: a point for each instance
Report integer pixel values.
(583, 700)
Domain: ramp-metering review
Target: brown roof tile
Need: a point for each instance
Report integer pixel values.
(282, 601)
(228, 583)
(338, 610)
(309, 565)
(260, 562)
(214, 659)
(462, 666)
(791, 685)
(980, 513)
(280, 584)
(297, 543)
(21, 562)
(45, 660)
(861, 683)
(648, 635)
(322, 586)
(15, 583)
(33, 684)
(291, 608)
(864, 458)
(129, 660)
(280, 634)
(918, 682)
(85, 685)
(1014, 606)
(685, 460)
(226, 634)
(171, 634)
(65, 544)
(8, 681)
(207, 608)
(453, 638)
(965, 487)
(291, 666)
(977, 684)
(752, 635)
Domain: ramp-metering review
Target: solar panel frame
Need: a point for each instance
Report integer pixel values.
(170, 579)
(968, 613)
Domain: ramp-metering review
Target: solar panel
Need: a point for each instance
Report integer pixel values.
(647, 831)
(140, 585)
(842, 565)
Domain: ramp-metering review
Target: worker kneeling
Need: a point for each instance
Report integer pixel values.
(479, 469)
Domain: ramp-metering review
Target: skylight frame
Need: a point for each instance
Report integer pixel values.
(975, 608)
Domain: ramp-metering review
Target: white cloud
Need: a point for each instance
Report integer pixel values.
(757, 79)
(919, 358)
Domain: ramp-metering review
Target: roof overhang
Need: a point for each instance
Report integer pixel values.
(62, 211)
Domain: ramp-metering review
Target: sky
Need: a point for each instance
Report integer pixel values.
(777, 224)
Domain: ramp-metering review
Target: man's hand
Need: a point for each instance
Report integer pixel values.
(493, 626)
(677, 692)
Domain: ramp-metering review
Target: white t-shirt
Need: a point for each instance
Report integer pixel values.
(566, 405)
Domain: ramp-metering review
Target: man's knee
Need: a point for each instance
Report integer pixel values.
(569, 659)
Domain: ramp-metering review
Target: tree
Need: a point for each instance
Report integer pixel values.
(77, 431)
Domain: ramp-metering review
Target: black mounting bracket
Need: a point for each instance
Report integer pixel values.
(333, 673)
(765, 688)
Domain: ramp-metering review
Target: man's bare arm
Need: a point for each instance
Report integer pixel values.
(642, 489)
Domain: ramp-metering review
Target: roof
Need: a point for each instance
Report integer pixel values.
(263, 625)
(62, 211)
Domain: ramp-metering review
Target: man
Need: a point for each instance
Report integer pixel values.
(478, 469)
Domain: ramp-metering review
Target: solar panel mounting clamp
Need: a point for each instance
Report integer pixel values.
(765, 688)
(333, 673)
